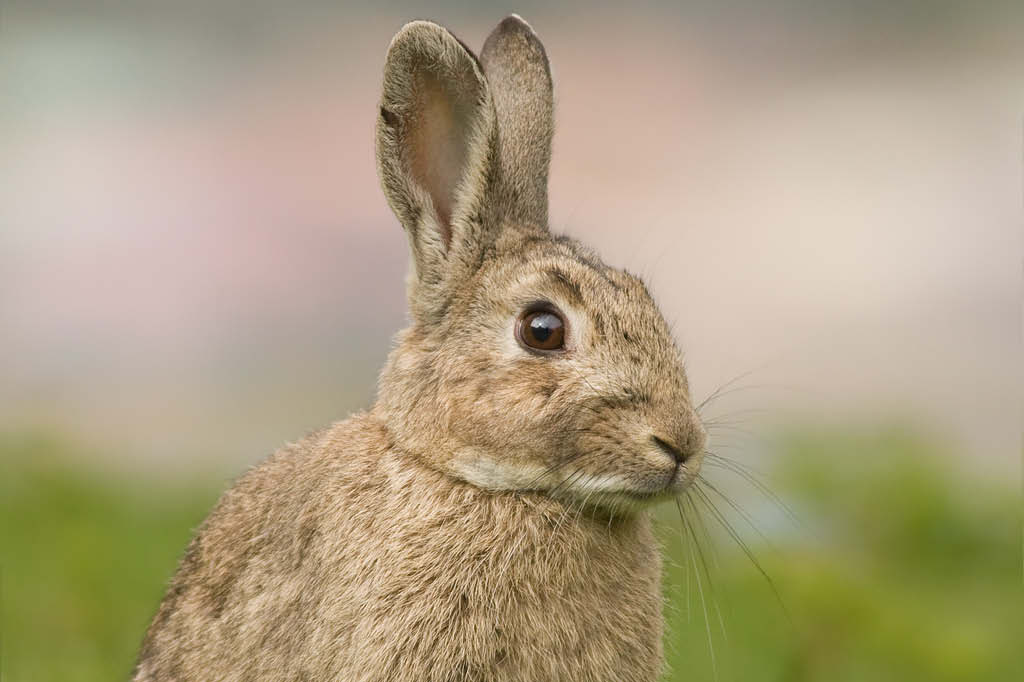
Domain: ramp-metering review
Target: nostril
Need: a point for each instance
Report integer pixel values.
(670, 449)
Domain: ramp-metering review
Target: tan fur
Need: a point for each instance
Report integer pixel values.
(517, 69)
(486, 519)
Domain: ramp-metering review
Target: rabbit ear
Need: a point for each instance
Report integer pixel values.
(517, 70)
(436, 143)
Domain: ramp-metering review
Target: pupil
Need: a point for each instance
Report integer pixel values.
(540, 328)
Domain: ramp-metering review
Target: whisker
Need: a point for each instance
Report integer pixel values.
(560, 463)
(710, 543)
(700, 591)
(742, 389)
(728, 527)
(739, 469)
(687, 546)
(705, 483)
(553, 492)
(718, 391)
(730, 386)
(715, 560)
(733, 427)
(721, 418)
(719, 460)
(584, 379)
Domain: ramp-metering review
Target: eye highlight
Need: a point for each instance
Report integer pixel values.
(541, 330)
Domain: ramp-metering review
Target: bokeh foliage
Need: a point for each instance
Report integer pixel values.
(85, 556)
(898, 566)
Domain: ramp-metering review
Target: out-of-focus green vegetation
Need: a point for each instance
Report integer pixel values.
(898, 569)
(85, 557)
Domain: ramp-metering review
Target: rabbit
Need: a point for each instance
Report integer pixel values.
(487, 518)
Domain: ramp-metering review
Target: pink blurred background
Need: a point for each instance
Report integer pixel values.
(197, 264)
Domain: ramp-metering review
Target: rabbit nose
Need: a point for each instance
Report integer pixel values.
(670, 449)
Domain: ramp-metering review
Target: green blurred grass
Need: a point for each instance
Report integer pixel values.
(899, 568)
(85, 556)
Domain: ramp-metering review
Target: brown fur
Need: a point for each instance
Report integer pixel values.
(486, 519)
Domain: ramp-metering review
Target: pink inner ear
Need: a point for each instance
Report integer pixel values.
(439, 147)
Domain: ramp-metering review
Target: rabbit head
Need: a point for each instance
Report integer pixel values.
(529, 365)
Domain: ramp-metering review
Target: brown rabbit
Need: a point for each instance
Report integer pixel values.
(486, 519)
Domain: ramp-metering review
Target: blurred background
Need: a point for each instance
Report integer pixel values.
(197, 266)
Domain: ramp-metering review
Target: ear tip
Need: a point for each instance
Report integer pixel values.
(513, 34)
(420, 32)
(516, 22)
(416, 28)
(415, 32)
(422, 38)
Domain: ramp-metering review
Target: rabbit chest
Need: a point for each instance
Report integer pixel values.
(342, 559)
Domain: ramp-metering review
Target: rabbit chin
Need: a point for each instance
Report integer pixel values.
(617, 493)
(606, 490)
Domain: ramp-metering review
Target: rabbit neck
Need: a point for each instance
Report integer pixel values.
(503, 575)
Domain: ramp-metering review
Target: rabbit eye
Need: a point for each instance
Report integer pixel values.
(541, 330)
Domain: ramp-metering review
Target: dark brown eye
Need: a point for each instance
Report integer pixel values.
(542, 330)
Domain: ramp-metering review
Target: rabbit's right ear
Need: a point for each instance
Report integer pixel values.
(436, 142)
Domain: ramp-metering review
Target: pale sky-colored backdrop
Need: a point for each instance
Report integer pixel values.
(197, 264)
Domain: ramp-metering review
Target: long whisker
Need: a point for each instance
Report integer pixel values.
(710, 543)
(705, 483)
(700, 591)
(719, 394)
(714, 558)
(724, 522)
(553, 469)
(721, 418)
(740, 470)
(720, 459)
(713, 426)
(718, 391)
(689, 548)
(727, 387)
(565, 509)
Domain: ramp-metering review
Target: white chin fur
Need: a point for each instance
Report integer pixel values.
(607, 490)
(600, 489)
